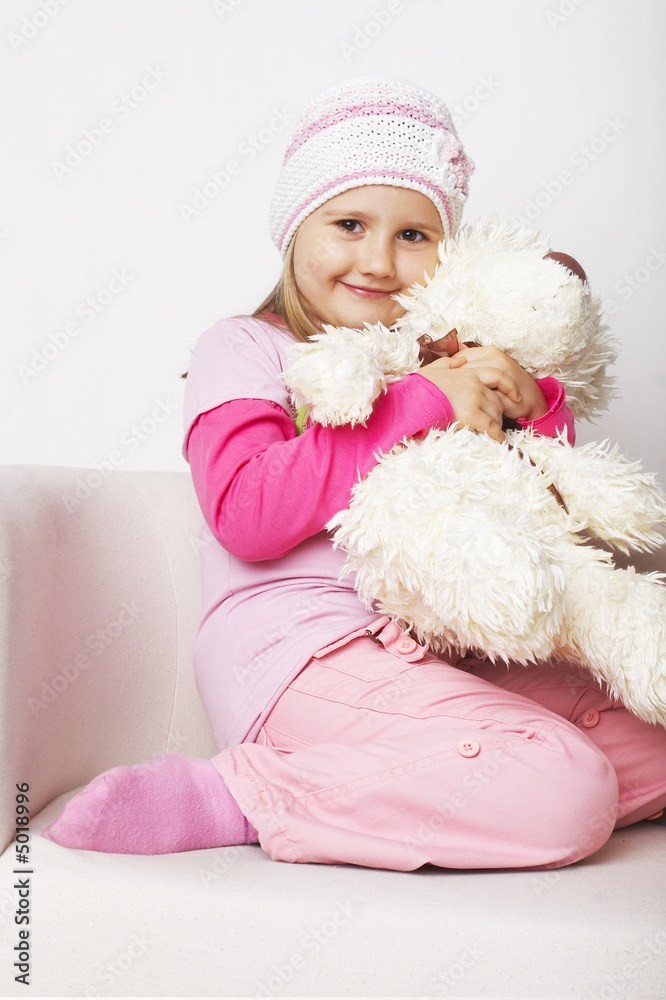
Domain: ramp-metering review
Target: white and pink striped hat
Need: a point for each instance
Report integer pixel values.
(370, 130)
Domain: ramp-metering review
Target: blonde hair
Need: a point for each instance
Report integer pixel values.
(284, 301)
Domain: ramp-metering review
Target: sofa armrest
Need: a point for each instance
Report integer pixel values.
(99, 601)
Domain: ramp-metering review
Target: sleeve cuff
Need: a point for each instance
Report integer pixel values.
(433, 404)
(558, 417)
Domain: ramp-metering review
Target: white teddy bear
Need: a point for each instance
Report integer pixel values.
(486, 547)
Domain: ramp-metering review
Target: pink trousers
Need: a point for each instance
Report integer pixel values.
(389, 758)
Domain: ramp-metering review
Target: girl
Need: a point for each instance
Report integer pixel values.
(342, 739)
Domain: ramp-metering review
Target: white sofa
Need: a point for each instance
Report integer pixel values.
(100, 601)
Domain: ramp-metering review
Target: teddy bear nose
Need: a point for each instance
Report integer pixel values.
(565, 260)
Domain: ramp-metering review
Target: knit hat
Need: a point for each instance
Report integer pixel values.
(370, 130)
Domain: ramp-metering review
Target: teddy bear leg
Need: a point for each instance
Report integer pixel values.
(617, 629)
(608, 496)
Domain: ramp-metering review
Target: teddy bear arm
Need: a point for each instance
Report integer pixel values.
(340, 373)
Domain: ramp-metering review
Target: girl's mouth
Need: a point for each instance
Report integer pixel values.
(369, 293)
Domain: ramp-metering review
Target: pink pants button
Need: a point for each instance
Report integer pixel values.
(399, 643)
(406, 645)
(591, 718)
(468, 748)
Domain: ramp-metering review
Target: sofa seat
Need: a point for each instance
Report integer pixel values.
(232, 922)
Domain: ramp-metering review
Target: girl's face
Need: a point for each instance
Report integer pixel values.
(361, 247)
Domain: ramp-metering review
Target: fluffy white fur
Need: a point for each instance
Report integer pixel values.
(458, 537)
(338, 374)
(491, 275)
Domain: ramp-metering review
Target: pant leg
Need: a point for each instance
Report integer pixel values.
(636, 749)
(369, 759)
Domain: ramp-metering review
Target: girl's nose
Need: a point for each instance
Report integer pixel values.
(375, 256)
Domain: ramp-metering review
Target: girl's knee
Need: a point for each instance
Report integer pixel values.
(582, 794)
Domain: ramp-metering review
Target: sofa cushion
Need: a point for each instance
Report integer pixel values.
(232, 922)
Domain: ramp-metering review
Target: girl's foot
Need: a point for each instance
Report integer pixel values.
(170, 804)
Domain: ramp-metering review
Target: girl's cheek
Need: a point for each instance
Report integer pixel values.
(320, 258)
(427, 263)
(334, 257)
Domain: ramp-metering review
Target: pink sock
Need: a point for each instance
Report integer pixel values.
(170, 804)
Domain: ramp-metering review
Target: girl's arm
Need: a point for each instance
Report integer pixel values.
(263, 489)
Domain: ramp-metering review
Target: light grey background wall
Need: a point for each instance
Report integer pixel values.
(126, 230)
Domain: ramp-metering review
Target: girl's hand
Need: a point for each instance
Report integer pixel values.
(478, 393)
(531, 404)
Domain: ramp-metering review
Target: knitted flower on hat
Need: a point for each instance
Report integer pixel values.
(370, 130)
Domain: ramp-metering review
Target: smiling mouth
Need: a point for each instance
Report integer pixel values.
(371, 293)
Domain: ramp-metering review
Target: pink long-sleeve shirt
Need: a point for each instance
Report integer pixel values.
(271, 592)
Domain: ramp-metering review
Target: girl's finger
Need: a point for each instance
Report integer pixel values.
(494, 430)
(494, 378)
(455, 361)
(489, 417)
(504, 400)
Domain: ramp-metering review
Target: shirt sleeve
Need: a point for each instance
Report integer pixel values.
(239, 357)
(263, 488)
(558, 417)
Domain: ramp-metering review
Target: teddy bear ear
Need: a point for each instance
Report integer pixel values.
(565, 260)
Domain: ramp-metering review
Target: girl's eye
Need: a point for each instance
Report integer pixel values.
(408, 235)
(348, 225)
(413, 236)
